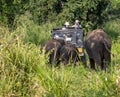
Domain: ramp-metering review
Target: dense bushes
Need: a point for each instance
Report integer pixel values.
(31, 32)
(91, 13)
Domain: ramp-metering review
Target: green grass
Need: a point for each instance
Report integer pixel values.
(24, 71)
(32, 33)
(113, 29)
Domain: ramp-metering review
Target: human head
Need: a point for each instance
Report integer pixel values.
(77, 21)
(67, 24)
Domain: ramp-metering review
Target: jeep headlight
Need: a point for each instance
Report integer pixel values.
(56, 36)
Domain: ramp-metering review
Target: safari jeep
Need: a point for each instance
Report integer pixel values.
(71, 35)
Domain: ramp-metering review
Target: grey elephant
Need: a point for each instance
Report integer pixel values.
(69, 53)
(52, 47)
(98, 46)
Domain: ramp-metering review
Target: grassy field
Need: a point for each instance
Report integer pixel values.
(24, 72)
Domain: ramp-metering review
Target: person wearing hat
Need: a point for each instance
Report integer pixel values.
(66, 25)
(77, 24)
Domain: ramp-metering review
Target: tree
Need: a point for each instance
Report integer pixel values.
(10, 8)
(91, 13)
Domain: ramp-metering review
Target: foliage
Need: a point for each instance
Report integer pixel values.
(115, 4)
(91, 13)
(31, 32)
(17, 77)
(112, 28)
(10, 8)
(24, 71)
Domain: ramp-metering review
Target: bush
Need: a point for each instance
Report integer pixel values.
(17, 64)
(113, 28)
(31, 32)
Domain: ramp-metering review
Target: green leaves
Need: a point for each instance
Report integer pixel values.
(91, 13)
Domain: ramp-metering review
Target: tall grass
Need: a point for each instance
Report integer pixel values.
(31, 32)
(17, 63)
(113, 29)
(24, 71)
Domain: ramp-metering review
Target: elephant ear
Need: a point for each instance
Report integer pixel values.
(107, 45)
(108, 42)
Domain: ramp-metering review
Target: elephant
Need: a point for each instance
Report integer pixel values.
(69, 53)
(52, 48)
(98, 47)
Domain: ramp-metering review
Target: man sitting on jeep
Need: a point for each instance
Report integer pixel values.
(77, 24)
(66, 25)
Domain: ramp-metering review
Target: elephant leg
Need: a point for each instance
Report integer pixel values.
(102, 63)
(83, 58)
(97, 59)
(64, 60)
(107, 59)
(52, 58)
(92, 63)
(75, 59)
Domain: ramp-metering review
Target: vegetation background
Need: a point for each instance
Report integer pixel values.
(25, 24)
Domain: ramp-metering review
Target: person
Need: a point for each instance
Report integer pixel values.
(75, 37)
(77, 24)
(66, 25)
